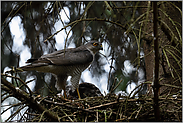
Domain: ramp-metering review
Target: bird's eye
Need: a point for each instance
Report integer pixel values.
(95, 44)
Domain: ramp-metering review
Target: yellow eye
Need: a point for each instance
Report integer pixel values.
(95, 44)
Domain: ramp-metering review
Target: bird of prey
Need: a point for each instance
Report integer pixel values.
(64, 63)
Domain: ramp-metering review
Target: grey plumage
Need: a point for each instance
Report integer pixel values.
(64, 63)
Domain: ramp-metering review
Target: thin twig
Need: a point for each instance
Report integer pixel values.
(30, 92)
(22, 96)
(156, 85)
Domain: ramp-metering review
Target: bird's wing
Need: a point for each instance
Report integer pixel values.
(70, 57)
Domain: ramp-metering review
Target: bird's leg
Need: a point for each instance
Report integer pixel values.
(75, 83)
(65, 94)
(61, 82)
(78, 93)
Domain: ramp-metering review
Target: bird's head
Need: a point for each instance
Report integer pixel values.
(94, 46)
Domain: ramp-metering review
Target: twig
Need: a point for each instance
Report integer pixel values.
(88, 19)
(30, 92)
(22, 96)
(14, 114)
(66, 105)
(117, 85)
(173, 86)
(103, 105)
(138, 111)
(156, 70)
(67, 116)
(12, 106)
(11, 17)
(97, 116)
(111, 67)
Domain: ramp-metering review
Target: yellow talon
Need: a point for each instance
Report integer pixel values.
(65, 94)
(78, 93)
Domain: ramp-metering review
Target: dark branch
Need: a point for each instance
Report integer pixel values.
(23, 96)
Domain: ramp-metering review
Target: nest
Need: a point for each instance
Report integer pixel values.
(102, 109)
(111, 107)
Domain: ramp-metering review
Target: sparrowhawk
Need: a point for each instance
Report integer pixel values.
(64, 63)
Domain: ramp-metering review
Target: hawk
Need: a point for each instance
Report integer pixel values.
(63, 63)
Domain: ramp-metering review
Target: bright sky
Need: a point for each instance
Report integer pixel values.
(18, 34)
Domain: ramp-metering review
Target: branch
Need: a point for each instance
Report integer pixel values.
(156, 69)
(30, 101)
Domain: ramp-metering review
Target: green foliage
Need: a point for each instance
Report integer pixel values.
(122, 26)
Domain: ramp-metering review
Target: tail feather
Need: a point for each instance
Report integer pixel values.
(31, 60)
(33, 66)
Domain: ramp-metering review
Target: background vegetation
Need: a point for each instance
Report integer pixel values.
(128, 31)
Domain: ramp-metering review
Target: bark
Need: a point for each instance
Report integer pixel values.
(169, 30)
